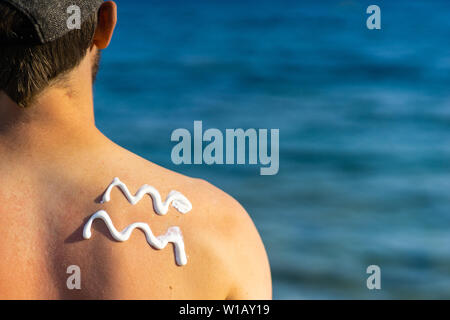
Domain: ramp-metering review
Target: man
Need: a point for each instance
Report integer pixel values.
(55, 167)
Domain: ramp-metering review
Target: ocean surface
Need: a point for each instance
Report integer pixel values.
(364, 119)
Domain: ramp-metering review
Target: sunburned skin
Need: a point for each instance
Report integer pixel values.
(178, 201)
(173, 235)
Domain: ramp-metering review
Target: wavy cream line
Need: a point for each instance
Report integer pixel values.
(173, 235)
(178, 200)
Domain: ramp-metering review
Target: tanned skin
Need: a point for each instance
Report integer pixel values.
(54, 167)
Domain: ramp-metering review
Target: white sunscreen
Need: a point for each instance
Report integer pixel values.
(173, 235)
(178, 201)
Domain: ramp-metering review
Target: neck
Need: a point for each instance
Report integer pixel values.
(59, 119)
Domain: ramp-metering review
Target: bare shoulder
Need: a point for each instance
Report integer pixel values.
(226, 255)
(236, 240)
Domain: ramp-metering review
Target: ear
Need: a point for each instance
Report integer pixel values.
(107, 19)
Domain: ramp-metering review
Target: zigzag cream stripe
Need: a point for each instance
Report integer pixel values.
(178, 200)
(173, 235)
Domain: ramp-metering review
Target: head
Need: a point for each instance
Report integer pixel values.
(27, 69)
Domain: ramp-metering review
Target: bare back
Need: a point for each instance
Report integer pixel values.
(44, 205)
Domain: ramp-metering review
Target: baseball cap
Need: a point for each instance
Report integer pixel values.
(49, 17)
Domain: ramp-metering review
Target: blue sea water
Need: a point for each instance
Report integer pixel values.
(364, 119)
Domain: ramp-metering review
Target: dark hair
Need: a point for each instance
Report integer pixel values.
(27, 69)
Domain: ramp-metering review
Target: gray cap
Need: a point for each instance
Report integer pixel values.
(49, 17)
